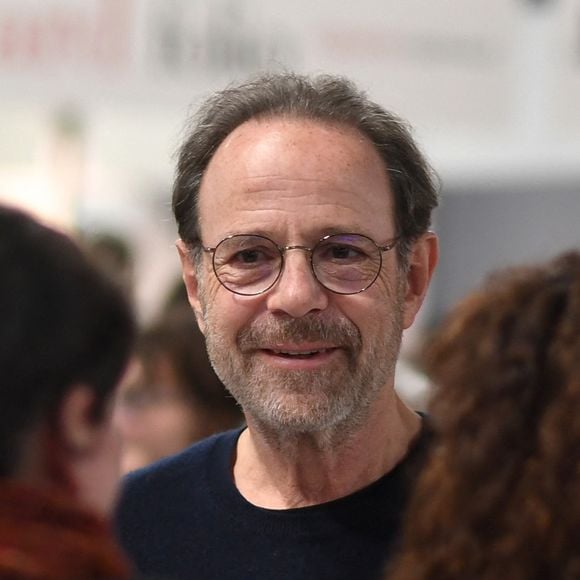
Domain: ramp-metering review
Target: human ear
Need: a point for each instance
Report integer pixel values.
(190, 278)
(423, 258)
(79, 431)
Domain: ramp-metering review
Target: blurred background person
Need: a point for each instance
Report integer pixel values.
(171, 396)
(499, 498)
(112, 255)
(65, 337)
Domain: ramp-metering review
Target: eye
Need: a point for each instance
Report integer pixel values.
(251, 256)
(247, 264)
(241, 252)
(340, 253)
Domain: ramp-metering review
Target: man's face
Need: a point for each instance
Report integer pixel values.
(299, 357)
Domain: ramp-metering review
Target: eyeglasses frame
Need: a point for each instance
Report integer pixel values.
(283, 249)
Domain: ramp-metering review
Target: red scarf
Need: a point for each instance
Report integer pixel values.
(47, 536)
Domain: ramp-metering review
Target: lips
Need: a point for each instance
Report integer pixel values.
(299, 358)
(298, 352)
(301, 353)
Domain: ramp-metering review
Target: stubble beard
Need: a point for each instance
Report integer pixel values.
(334, 401)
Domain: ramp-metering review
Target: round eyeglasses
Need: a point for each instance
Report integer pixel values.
(342, 263)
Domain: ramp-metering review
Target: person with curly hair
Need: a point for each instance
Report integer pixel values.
(499, 497)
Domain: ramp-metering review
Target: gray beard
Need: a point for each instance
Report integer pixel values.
(332, 403)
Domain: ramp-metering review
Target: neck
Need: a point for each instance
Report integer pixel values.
(282, 471)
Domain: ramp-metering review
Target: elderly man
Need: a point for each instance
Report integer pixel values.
(303, 211)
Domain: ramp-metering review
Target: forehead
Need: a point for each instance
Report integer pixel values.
(295, 177)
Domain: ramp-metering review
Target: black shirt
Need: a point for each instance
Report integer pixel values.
(184, 518)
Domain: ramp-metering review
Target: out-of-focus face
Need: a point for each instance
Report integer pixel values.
(300, 357)
(91, 453)
(73, 453)
(152, 414)
(100, 481)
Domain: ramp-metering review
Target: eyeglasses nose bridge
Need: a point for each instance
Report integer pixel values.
(284, 249)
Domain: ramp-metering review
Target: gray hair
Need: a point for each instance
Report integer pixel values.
(325, 98)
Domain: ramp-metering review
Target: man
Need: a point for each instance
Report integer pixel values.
(303, 211)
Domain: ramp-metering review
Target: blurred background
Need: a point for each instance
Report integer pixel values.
(94, 95)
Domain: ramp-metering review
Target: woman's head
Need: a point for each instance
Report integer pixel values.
(499, 497)
(65, 338)
(171, 396)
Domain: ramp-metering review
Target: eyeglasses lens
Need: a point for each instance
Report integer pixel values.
(346, 263)
(247, 264)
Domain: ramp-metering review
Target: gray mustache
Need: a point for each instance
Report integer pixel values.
(339, 332)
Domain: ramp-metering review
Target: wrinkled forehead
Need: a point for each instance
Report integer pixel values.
(270, 169)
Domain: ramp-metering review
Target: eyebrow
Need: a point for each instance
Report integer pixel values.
(315, 233)
(309, 238)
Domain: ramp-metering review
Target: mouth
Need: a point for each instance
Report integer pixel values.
(300, 358)
(300, 354)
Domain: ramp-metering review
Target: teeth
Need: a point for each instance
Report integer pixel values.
(295, 353)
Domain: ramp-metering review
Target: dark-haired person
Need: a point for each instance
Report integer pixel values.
(65, 337)
(171, 396)
(303, 211)
(499, 496)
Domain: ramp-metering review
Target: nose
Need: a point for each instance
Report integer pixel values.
(297, 292)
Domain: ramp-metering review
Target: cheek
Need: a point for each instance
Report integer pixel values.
(105, 479)
(374, 311)
(208, 287)
(115, 446)
(362, 309)
(390, 284)
(170, 426)
(167, 430)
(390, 291)
(227, 313)
(181, 426)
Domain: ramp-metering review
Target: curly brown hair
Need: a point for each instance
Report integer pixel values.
(500, 495)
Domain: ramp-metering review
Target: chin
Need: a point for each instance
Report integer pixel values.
(309, 415)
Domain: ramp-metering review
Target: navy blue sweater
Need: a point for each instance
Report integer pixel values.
(184, 518)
